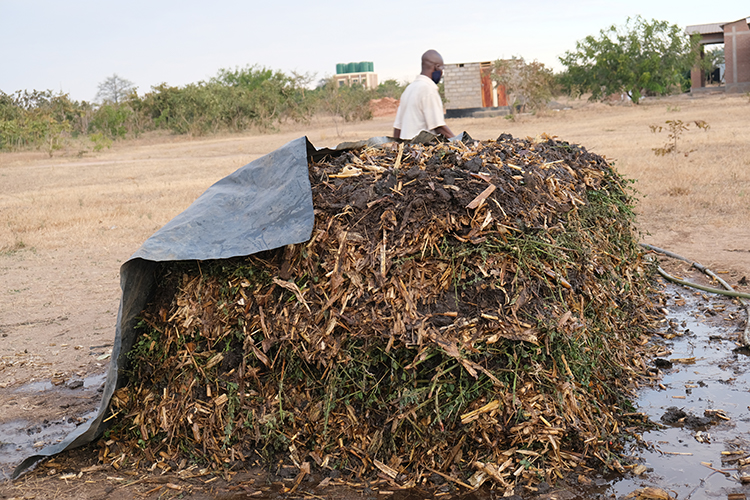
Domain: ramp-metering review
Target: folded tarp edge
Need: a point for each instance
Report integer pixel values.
(264, 205)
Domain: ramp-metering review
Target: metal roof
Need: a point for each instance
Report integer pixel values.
(705, 29)
(709, 29)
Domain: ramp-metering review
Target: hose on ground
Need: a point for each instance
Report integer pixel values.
(730, 292)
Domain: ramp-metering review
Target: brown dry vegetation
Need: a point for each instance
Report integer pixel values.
(68, 222)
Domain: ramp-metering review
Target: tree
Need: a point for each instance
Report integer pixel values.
(268, 96)
(710, 61)
(527, 85)
(715, 56)
(639, 58)
(114, 90)
(303, 80)
(352, 103)
(390, 88)
(251, 77)
(38, 118)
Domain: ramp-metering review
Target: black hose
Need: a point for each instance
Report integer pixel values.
(730, 292)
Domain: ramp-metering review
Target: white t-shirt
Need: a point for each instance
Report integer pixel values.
(420, 108)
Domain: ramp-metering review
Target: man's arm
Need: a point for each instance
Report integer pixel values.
(397, 133)
(444, 130)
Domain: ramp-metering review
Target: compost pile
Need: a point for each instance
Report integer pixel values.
(470, 310)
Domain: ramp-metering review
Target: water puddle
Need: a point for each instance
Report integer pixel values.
(71, 404)
(90, 382)
(702, 401)
(21, 439)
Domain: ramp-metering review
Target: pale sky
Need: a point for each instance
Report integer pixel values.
(72, 46)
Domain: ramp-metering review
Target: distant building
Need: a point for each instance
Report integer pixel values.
(470, 91)
(361, 73)
(736, 39)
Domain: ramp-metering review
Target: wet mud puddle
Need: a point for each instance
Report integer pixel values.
(702, 401)
(76, 403)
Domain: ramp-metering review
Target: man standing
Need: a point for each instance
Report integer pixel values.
(421, 107)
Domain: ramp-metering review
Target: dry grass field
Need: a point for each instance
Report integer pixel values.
(69, 221)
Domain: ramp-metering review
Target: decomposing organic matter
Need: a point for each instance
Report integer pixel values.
(476, 310)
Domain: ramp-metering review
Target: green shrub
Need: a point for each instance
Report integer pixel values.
(111, 120)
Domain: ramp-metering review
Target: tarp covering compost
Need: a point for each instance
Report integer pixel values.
(264, 205)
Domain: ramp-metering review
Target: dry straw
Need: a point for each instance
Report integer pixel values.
(475, 311)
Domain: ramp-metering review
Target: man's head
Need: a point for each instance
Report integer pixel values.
(432, 65)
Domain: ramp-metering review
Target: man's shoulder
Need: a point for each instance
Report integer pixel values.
(421, 85)
(423, 81)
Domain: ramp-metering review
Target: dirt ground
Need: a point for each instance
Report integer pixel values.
(68, 222)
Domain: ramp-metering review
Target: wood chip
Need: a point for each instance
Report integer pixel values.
(481, 197)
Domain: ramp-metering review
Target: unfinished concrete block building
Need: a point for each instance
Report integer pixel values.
(470, 91)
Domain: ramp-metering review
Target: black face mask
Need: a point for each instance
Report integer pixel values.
(436, 75)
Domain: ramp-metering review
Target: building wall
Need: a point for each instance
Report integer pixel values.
(697, 80)
(737, 55)
(463, 85)
(368, 80)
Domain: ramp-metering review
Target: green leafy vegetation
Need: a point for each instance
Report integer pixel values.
(235, 100)
(640, 58)
(529, 86)
(710, 61)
